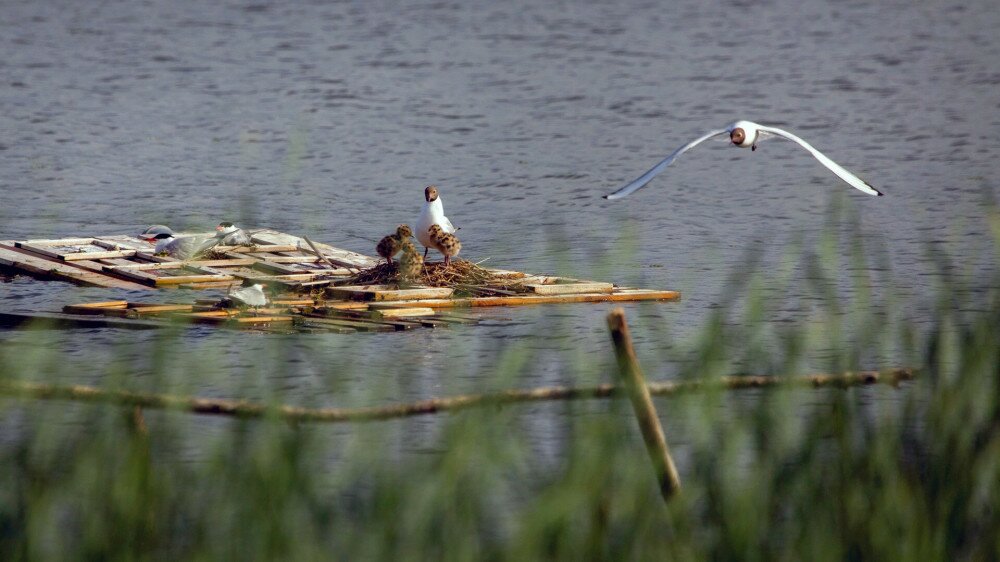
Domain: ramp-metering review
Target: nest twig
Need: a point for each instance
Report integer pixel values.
(462, 275)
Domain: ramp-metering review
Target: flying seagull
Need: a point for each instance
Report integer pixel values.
(745, 134)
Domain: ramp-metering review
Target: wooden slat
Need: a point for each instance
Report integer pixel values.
(191, 263)
(571, 288)
(94, 307)
(360, 325)
(261, 319)
(617, 296)
(335, 255)
(179, 279)
(68, 321)
(258, 249)
(98, 255)
(202, 286)
(387, 293)
(132, 274)
(160, 308)
(55, 242)
(25, 261)
(403, 312)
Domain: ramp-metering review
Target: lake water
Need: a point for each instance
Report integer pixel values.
(329, 118)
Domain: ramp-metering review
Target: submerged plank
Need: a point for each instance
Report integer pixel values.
(30, 263)
(69, 321)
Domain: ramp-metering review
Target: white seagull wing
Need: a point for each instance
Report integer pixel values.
(842, 173)
(644, 179)
(447, 226)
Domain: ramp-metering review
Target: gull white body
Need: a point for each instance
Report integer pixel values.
(432, 213)
(232, 236)
(253, 295)
(745, 134)
(182, 248)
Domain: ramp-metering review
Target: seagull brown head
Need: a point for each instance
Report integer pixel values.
(430, 193)
(403, 231)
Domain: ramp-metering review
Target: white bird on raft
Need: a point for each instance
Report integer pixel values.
(253, 296)
(183, 248)
(745, 134)
(229, 234)
(432, 213)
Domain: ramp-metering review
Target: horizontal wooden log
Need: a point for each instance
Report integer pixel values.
(354, 323)
(617, 296)
(95, 308)
(571, 288)
(32, 264)
(176, 280)
(58, 321)
(181, 264)
(403, 312)
(244, 409)
(388, 293)
(98, 255)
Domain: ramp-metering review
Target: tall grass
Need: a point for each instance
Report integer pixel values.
(784, 474)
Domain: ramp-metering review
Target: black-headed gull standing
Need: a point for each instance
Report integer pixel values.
(745, 134)
(432, 213)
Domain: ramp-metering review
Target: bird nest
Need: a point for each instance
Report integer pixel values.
(462, 275)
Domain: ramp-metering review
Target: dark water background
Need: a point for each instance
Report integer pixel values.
(329, 118)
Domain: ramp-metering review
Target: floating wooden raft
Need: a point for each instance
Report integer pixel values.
(374, 308)
(127, 262)
(284, 315)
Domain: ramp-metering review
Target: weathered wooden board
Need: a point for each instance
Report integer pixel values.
(570, 288)
(617, 296)
(58, 321)
(388, 293)
(23, 260)
(338, 256)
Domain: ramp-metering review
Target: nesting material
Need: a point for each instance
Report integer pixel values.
(462, 275)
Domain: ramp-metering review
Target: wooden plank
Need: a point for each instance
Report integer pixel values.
(336, 255)
(180, 264)
(292, 259)
(94, 307)
(387, 293)
(98, 255)
(68, 321)
(280, 268)
(310, 324)
(27, 262)
(333, 305)
(55, 242)
(202, 286)
(403, 312)
(293, 302)
(360, 325)
(257, 249)
(571, 288)
(617, 296)
(179, 279)
(131, 274)
(260, 319)
(159, 308)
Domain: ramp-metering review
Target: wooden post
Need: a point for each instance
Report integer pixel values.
(645, 413)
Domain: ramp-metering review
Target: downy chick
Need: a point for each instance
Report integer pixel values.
(447, 244)
(393, 243)
(411, 264)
